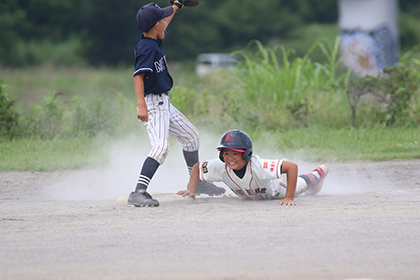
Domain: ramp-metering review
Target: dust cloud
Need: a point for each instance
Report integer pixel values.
(119, 176)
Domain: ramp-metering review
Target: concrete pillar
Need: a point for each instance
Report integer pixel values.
(369, 36)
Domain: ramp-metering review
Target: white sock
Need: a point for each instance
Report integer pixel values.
(316, 174)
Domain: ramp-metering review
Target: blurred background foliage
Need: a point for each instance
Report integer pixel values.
(103, 33)
(66, 79)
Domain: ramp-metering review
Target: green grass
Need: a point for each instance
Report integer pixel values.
(32, 154)
(308, 144)
(299, 103)
(31, 84)
(378, 144)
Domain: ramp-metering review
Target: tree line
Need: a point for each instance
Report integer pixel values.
(104, 32)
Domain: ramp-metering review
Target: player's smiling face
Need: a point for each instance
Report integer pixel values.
(233, 159)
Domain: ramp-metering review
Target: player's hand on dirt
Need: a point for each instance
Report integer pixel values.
(288, 202)
(185, 193)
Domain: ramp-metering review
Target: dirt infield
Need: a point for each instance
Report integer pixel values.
(364, 224)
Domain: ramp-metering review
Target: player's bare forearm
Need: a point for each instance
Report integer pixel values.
(169, 18)
(142, 113)
(192, 184)
(291, 169)
(176, 9)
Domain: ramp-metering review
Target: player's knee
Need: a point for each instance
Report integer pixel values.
(159, 152)
(192, 144)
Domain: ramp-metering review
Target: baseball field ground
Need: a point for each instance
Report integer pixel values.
(64, 222)
(74, 225)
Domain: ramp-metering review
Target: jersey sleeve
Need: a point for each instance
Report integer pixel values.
(144, 60)
(211, 170)
(271, 168)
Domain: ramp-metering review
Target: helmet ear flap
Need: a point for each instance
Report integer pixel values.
(221, 155)
(247, 155)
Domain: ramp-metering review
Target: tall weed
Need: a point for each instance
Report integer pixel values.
(78, 117)
(278, 92)
(270, 90)
(8, 115)
(390, 99)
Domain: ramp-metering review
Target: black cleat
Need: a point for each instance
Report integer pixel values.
(208, 188)
(142, 199)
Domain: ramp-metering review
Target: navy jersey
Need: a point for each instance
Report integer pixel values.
(150, 59)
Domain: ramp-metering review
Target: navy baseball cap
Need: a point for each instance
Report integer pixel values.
(150, 14)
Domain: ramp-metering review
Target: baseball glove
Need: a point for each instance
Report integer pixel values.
(187, 3)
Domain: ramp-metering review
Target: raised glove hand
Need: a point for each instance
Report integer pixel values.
(182, 3)
(177, 3)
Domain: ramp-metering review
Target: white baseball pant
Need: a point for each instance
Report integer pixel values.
(165, 120)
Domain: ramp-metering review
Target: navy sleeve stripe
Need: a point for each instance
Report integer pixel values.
(142, 70)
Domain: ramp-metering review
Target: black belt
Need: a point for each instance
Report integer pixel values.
(158, 94)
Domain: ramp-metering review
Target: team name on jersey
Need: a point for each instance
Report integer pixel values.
(160, 64)
(250, 192)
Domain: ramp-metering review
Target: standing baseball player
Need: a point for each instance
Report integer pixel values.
(152, 83)
(251, 177)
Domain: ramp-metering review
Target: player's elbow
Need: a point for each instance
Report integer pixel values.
(289, 167)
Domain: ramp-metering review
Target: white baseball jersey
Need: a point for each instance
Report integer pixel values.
(262, 179)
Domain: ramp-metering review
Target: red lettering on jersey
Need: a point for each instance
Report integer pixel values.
(273, 166)
(265, 165)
